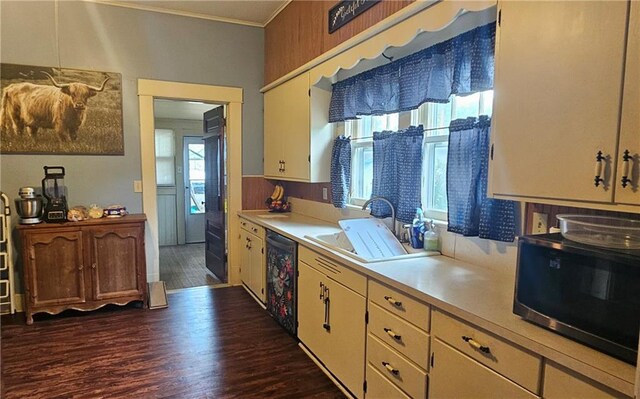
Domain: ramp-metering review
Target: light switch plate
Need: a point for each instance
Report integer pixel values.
(325, 194)
(137, 186)
(539, 223)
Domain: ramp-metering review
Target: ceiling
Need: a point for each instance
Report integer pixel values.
(245, 12)
(171, 109)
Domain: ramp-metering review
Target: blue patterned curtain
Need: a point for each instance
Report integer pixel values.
(397, 171)
(461, 65)
(470, 212)
(340, 171)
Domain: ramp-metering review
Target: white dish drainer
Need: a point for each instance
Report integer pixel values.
(7, 284)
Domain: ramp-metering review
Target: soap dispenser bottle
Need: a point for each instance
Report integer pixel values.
(417, 230)
(431, 237)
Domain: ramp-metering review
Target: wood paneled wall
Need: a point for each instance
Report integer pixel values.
(299, 33)
(256, 189)
(553, 210)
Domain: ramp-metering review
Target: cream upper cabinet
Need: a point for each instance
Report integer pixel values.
(558, 88)
(297, 135)
(628, 191)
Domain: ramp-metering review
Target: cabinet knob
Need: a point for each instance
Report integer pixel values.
(475, 344)
(390, 368)
(80, 267)
(625, 168)
(392, 334)
(93, 266)
(393, 301)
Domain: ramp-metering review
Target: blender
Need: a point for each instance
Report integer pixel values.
(55, 192)
(29, 206)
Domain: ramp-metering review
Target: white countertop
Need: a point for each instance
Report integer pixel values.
(476, 294)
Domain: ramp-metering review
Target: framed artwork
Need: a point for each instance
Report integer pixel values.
(345, 11)
(46, 110)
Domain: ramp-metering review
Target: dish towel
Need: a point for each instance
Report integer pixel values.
(470, 212)
(340, 171)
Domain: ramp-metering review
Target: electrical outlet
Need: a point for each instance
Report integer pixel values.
(539, 223)
(137, 186)
(325, 193)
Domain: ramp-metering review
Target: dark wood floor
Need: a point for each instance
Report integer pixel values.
(183, 266)
(209, 343)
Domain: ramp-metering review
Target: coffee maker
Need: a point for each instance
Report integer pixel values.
(55, 192)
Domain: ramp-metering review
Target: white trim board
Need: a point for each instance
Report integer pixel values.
(148, 90)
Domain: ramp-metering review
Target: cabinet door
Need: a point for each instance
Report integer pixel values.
(311, 309)
(258, 272)
(245, 258)
(117, 261)
(558, 83)
(54, 269)
(286, 130)
(630, 122)
(562, 383)
(455, 375)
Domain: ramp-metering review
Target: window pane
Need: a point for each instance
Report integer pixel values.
(165, 168)
(165, 143)
(487, 103)
(362, 172)
(439, 187)
(437, 115)
(196, 178)
(467, 106)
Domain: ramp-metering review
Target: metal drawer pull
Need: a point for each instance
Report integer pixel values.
(393, 301)
(598, 171)
(391, 369)
(475, 344)
(254, 229)
(625, 168)
(392, 334)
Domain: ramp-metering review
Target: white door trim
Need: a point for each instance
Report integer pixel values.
(233, 98)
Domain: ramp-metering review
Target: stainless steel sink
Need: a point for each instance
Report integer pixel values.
(340, 243)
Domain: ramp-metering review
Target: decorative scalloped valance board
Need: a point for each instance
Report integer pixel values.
(397, 30)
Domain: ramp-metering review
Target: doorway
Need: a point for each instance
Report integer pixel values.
(232, 97)
(183, 177)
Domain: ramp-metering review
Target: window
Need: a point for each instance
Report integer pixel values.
(165, 157)
(435, 118)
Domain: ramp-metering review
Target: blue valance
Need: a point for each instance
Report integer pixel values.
(461, 65)
(340, 171)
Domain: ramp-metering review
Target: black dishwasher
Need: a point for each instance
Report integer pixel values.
(282, 271)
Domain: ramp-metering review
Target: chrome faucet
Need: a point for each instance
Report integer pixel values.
(393, 210)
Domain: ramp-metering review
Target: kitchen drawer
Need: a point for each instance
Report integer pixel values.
(562, 383)
(396, 368)
(400, 335)
(400, 304)
(515, 363)
(252, 228)
(355, 281)
(378, 387)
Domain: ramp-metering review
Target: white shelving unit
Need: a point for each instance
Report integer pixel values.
(7, 284)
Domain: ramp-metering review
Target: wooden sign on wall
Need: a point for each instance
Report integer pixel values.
(345, 11)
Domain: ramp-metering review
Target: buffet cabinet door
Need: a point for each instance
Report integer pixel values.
(116, 259)
(54, 269)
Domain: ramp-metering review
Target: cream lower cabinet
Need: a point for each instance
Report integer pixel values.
(562, 383)
(331, 318)
(397, 344)
(297, 134)
(467, 362)
(560, 100)
(253, 266)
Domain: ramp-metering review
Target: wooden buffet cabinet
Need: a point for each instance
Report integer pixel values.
(83, 265)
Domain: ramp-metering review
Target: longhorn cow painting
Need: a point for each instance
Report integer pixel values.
(46, 110)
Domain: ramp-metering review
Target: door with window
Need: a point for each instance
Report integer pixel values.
(194, 193)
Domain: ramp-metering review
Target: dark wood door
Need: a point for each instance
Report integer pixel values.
(115, 256)
(54, 269)
(215, 192)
